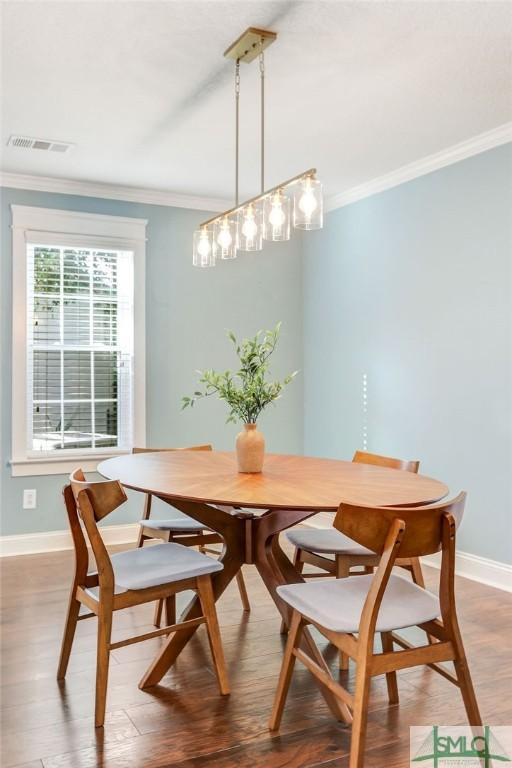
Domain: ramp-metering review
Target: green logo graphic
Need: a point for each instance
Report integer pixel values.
(483, 747)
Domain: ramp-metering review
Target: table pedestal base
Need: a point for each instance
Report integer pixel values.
(254, 540)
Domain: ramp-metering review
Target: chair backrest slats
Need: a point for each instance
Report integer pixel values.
(379, 582)
(362, 457)
(77, 534)
(423, 533)
(105, 495)
(94, 501)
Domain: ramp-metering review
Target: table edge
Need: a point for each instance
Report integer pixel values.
(251, 505)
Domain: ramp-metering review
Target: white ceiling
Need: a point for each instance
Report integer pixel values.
(356, 89)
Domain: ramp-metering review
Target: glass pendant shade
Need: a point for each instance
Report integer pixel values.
(224, 236)
(276, 216)
(308, 209)
(249, 232)
(204, 249)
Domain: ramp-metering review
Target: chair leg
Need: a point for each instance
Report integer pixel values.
(465, 682)
(468, 693)
(157, 618)
(299, 566)
(387, 647)
(417, 577)
(69, 634)
(205, 591)
(243, 591)
(170, 610)
(102, 662)
(285, 675)
(342, 572)
(360, 715)
(417, 573)
(147, 512)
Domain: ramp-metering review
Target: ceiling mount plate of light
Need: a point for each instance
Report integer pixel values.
(250, 43)
(270, 214)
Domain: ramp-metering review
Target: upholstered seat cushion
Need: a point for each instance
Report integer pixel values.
(150, 566)
(336, 604)
(175, 524)
(326, 541)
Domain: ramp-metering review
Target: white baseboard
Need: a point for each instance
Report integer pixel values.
(481, 569)
(476, 568)
(55, 541)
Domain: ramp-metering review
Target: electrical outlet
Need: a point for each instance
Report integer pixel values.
(29, 498)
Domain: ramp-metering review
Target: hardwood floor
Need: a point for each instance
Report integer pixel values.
(183, 722)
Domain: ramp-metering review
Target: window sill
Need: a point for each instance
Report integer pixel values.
(59, 466)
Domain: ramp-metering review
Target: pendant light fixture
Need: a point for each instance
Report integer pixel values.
(269, 215)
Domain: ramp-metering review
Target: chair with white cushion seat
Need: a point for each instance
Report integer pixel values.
(177, 525)
(349, 611)
(336, 554)
(127, 579)
(404, 603)
(149, 567)
(184, 530)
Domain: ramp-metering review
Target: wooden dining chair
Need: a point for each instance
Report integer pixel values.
(183, 530)
(350, 611)
(335, 554)
(127, 579)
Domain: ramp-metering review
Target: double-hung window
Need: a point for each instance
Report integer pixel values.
(78, 356)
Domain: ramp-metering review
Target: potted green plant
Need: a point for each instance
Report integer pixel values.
(247, 393)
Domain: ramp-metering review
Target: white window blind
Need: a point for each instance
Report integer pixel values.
(80, 344)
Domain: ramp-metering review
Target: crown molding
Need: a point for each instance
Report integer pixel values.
(484, 141)
(112, 192)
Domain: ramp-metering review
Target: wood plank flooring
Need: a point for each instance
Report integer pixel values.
(183, 722)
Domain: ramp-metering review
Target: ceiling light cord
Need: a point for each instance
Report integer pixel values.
(262, 81)
(237, 126)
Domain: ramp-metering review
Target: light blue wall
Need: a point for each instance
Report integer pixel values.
(413, 287)
(188, 312)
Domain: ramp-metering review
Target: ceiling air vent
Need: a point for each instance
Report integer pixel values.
(47, 145)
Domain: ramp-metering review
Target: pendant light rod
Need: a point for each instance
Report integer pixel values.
(311, 173)
(237, 126)
(262, 127)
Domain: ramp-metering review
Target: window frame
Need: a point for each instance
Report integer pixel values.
(73, 227)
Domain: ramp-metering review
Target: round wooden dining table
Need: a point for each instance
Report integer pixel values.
(249, 511)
